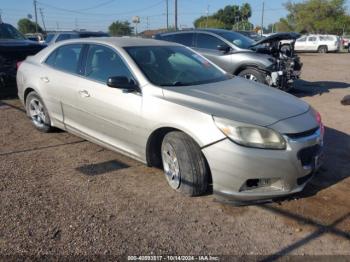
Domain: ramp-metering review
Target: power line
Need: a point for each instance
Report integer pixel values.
(102, 14)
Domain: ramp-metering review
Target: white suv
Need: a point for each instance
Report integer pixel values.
(318, 43)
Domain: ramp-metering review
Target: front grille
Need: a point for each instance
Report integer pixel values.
(304, 179)
(303, 134)
(308, 154)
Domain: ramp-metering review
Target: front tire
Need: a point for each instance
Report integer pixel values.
(253, 75)
(184, 165)
(38, 113)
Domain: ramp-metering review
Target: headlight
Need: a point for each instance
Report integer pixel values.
(250, 135)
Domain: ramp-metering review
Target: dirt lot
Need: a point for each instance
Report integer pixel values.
(63, 195)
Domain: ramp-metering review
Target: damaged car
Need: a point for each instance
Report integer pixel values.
(266, 61)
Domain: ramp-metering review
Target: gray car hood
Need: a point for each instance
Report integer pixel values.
(239, 100)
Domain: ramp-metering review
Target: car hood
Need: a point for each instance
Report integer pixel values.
(277, 37)
(239, 100)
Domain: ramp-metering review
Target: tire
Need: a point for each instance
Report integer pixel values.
(185, 168)
(253, 75)
(322, 50)
(38, 113)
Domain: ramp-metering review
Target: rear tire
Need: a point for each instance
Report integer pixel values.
(38, 113)
(253, 75)
(184, 165)
(322, 50)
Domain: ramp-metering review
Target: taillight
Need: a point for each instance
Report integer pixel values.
(18, 64)
(319, 121)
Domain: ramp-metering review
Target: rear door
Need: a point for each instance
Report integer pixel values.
(207, 45)
(60, 80)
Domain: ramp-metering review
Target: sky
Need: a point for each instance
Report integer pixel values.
(99, 14)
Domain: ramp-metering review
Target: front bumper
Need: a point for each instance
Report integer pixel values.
(249, 174)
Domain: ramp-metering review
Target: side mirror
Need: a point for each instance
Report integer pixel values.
(122, 82)
(224, 48)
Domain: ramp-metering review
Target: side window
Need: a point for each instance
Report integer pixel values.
(183, 38)
(311, 38)
(103, 62)
(65, 58)
(206, 41)
(62, 37)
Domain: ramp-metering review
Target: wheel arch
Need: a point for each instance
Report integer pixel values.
(248, 66)
(153, 147)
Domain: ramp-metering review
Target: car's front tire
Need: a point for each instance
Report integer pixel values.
(184, 165)
(38, 113)
(253, 75)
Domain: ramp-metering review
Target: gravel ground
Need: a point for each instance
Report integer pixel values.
(61, 195)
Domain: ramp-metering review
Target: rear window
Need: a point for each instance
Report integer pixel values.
(9, 32)
(65, 58)
(183, 38)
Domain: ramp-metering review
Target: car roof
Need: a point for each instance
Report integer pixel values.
(122, 41)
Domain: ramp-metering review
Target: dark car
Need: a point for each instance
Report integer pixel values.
(263, 61)
(55, 37)
(14, 47)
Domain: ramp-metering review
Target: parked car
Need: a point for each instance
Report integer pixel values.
(234, 53)
(318, 43)
(35, 37)
(345, 41)
(14, 47)
(52, 38)
(166, 105)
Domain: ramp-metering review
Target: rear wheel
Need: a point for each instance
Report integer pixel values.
(184, 165)
(323, 49)
(37, 111)
(253, 75)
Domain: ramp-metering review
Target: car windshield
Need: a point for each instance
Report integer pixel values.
(49, 38)
(237, 39)
(9, 32)
(174, 66)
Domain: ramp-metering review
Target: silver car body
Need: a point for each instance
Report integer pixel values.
(126, 122)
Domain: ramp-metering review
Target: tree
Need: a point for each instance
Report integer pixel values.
(203, 22)
(316, 16)
(120, 28)
(229, 17)
(26, 26)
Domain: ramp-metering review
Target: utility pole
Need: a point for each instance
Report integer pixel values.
(147, 22)
(262, 17)
(42, 17)
(167, 14)
(175, 15)
(206, 24)
(36, 16)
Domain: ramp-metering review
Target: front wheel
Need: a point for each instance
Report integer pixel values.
(184, 165)
(253, 75)
(37, 111)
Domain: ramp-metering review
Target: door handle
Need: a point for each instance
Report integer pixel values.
(84, 93)
(45, 79)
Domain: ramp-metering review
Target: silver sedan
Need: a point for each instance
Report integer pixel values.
(167, 106)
